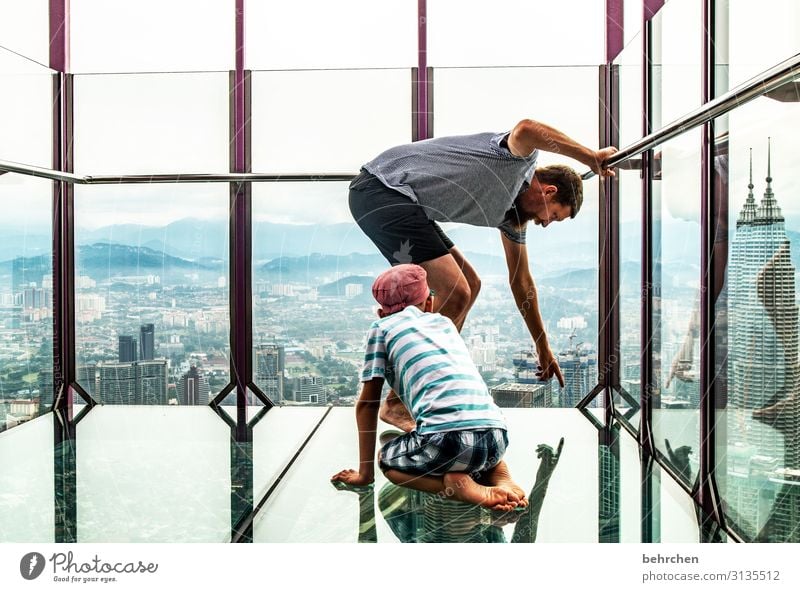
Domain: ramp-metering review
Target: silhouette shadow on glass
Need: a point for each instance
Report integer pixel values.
(418, 517)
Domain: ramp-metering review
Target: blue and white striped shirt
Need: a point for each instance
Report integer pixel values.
(423, 358)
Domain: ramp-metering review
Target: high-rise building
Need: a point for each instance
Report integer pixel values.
(133, 383)
(763, 367)
(147, 345)
(579, 368)
(127, 348)
(117, 383)
(270, 365)
(193, 388)
(763, 476)
(87, 378)
(152, 382)
(309, 389)
(526, 365)
(514, 394)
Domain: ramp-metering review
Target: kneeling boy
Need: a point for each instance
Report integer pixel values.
(460, 436)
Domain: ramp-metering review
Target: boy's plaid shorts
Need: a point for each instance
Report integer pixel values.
(463, 451)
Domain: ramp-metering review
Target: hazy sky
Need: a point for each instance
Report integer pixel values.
(332, 121)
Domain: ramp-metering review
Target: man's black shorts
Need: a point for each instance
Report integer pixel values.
(397, 225)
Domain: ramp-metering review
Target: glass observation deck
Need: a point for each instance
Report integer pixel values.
(165, 474)
(184, 293)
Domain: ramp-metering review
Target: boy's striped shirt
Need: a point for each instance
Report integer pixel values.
(423, 358)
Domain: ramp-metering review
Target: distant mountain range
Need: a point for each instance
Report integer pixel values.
(320, 254)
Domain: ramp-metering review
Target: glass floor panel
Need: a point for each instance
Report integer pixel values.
(163, 474)
(26, 482)
(569, 504)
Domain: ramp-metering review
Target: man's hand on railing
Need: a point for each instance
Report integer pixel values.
(601, 156)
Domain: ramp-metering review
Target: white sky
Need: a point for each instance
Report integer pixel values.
(303, 121)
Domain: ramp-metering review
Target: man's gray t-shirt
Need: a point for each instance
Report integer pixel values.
(471, 179)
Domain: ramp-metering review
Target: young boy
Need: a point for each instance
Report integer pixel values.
(460, 432)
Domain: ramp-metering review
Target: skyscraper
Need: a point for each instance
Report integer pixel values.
(147, 345)
(117, 383)
(579, 367)
(270, 365)
(151, 382)
(763, 478)
(127, 348)
(133, 383)
(193, 388)
(763, 330)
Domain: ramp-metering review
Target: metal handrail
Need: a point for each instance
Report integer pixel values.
(33, 171)
(759, 85)
(767, 81)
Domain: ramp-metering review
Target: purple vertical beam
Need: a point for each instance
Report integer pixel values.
(64, 449)
(422, 69)
(651, 7)
(239, 163)
(615, 28)
(59, 35)
(707, 490)
(240, 236)
(63, 259)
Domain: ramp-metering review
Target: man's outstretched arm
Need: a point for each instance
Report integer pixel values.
(529, 135)
(524, 290)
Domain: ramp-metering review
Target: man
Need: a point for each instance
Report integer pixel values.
(483, 179)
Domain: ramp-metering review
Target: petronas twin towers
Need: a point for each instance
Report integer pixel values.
(763, 365)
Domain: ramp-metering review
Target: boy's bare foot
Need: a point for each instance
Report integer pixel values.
(395, 413)
(463, 488)
(500, 476)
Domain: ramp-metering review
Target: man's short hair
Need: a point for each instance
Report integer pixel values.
(568, 183)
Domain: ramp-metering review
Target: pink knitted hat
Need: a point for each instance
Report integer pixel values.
(401, 286)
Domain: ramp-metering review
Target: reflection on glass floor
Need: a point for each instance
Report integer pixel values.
(569, 500)
(163, 474)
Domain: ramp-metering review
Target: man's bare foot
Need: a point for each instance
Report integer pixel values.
(462, 487)
(500, 476)
(395, 413)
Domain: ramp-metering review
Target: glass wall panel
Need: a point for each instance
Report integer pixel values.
(26, 267)
(25, 28)
(151, 292)
(629, 68)
(630, 294)
(630, 489)
(758, 423)
(122, 460)
(343, 34)
(152, 123)
(751, 37)
(26, 483)
(563, 257)
(313, 270)
(677, 59)
(328, 121)
(515, 33)
(634, 13)
(152, 35)
(676, 301)
(26, 112)
(678, 513)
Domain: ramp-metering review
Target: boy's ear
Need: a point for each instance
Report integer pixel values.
(381, 314)
(428, 305)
